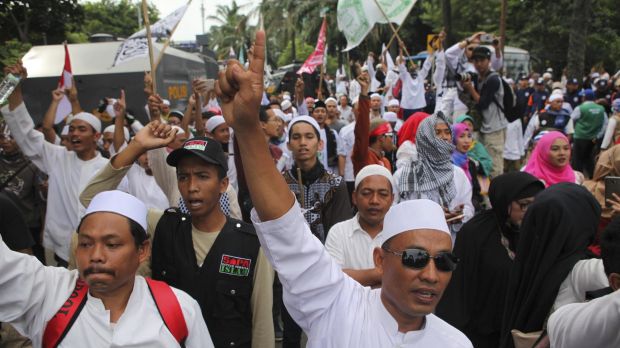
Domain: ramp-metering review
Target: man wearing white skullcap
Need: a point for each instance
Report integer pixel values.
(69, 171)
(106, 303)
(165, 109)
(108, 138)
(376, 105)
(218, 129)
(351, 242)
(333, 115)
(333, 309)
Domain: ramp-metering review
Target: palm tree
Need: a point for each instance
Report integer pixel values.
(233, 29)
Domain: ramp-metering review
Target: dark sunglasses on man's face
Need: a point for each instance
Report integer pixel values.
(418, 259)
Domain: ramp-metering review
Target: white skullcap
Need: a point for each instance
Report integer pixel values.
(390, 116)
(90, 119)
(179, 130)
(547, 75)
(375, 95)
(286, 104)
(166, 102)
(120, 203)
(306, 119)
(415, 214)
(331, 99)
(282, 115)
(374, 169)
(214, 122)
(379, 66)
(111, 128)
(364, 68)
(394, 102)
(286, 96)
(556, 96)
(65, 130)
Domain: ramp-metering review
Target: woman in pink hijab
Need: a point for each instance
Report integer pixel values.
(550, 160)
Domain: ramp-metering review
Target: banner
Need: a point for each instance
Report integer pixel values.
(357, 17)
(316, 58)
(65, 81)
(137, 46)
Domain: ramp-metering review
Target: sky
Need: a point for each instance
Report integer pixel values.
(191, 23)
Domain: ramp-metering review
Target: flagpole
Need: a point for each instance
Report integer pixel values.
(394, 29)
(147, 25)
(320, 94)
(169, 40)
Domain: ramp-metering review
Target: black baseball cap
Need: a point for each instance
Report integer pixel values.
(523, 77)
(481, 52)
(319, 104)
(573, 81)
(207, 149)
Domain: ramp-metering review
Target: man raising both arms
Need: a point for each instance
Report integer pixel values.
(333, 309)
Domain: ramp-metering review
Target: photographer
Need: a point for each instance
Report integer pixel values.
(452, 101)
(488, 94)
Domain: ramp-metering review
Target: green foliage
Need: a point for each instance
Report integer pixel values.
(11, 51)
(38, 21)
(303, 51)
(233, 29)
(118, 18)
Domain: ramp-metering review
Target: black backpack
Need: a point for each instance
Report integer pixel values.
(510, 110)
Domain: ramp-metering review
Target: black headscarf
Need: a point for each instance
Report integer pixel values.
(474, 300)
(555, 234)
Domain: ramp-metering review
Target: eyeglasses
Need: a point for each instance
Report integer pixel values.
(418, 259)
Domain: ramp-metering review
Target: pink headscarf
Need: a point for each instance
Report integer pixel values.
(539, 164)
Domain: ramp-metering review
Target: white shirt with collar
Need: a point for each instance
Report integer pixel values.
(350, 246)
(587, 275)
(31, 294)
(68, 176)
(333, 309)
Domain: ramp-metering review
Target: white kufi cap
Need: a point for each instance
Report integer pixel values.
(306, 119)
(120, 203)
(111, 128)
(375, 169)
(390, 116)
(214, 122)
(90, 119)
(415, 214)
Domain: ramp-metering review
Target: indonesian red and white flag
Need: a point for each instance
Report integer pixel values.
(316, 58)
(65, 81)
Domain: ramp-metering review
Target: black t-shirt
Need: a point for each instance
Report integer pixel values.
(13, 230)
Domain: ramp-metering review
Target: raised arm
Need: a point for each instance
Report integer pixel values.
(72, 95)
(31, 142)
(48, 120)
(362, 128)
(241, 92)
(120, 109)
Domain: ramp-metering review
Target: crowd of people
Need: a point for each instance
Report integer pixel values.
(436, 206)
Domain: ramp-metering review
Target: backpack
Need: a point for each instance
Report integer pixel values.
(510, 109)
(165, 300)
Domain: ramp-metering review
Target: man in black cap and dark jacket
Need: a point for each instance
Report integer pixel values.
(214, 258)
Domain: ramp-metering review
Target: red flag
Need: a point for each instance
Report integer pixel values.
(65, 81)
(316, 58)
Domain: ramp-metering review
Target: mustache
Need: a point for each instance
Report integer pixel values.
(93, 270)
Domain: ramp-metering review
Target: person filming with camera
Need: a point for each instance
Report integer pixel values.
(488, 94)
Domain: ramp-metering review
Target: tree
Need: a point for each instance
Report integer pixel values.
(38, 21)
(577, 38)
(11, 51)
(118, 18)
(233, 29)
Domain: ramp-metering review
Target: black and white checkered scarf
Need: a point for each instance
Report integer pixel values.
(433, 173)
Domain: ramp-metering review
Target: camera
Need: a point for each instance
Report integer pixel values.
(463, 77)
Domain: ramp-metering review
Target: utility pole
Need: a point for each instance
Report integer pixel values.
(202, 15)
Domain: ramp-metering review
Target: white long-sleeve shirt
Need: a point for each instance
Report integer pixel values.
(68, 176)
(333, 309)
(591, 324)
(413, 89)
(587, 275)
(31, 294)
(350, 246)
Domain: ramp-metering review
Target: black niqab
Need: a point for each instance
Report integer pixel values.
(474, 300)
(555, 234)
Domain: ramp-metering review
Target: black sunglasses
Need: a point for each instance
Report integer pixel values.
(418, 259)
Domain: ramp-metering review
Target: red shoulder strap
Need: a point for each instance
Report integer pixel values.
(62, 321)
(169, 308)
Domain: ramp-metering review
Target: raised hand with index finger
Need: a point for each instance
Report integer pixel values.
(241, 90)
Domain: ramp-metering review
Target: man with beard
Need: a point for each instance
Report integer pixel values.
(69, 171)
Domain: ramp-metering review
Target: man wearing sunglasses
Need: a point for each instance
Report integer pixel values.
(333, 309)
